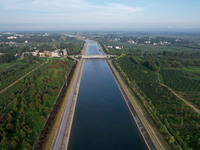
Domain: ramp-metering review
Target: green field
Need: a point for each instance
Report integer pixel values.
(28, 104)
(184, 81)
(10, 72)
(180, 120)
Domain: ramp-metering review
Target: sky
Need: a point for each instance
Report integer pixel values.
(99, 14)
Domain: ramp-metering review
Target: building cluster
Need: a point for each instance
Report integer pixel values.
(55, 53)
(149, 42)
(115, 47)
(14, 36)
(144, 41)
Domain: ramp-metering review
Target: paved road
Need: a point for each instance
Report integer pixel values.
(59, 137)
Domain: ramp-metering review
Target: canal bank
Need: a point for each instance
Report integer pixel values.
(102, 120)
(145, 129)
(63, 131)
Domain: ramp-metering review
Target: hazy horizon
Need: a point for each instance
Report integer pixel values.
(100, 15)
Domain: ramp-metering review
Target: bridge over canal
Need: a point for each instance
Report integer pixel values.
(92, 56)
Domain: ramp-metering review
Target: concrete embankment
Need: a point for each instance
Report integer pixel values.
(63, 134)
(62, 137)
(72, 110)
(146, 131)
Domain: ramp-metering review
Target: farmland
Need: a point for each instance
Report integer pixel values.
(12, 71)
(173, 113)
(29, 102)
(185, 81)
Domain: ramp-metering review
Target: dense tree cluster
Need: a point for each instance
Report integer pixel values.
(29, 104)
(171, 115)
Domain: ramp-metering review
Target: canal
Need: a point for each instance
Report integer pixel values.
(102, 120)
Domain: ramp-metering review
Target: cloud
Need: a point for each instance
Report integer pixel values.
(68, 10)
(64, 6)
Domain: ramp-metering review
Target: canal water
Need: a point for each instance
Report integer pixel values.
(102, 120)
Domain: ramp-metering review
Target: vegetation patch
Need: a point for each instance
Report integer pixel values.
(30, 102)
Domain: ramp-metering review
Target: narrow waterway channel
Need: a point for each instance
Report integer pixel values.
(102, 120)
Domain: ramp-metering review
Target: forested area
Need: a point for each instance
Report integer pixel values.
(27, 104)
(176, 121)
(10, 72)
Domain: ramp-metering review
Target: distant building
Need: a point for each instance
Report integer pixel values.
(53, 54)
(26, 41)
(110, 46)
(57, 51)
(12, 37)
(42, 54)
(64, 52)
(8, 33)
(118, 47)
(34, 53)
(131, 42)
(147, 42)
(154, 43)
(48, 53)
(19, 35)
(2, 53)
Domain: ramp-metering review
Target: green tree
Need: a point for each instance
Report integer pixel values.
(10, 118)
(13, 144)
(10, 127)
(171, 139)
(22, 133)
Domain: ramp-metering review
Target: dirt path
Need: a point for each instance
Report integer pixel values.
(186, 102)
(20, 79)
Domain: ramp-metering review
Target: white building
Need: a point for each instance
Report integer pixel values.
(118, 47)
(53, 54)
(110, 46)
(12, 37)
